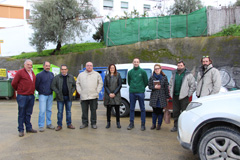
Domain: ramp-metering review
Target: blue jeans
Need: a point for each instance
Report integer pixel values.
(157, 116)
(60, 106)
(25, 109)
(133, 98)
(45, 107)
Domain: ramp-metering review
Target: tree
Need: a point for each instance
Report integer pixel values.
(237, 3)
(59, 21)
(98, 36)
(185, 6)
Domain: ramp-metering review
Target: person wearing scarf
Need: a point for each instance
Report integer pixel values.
(158, 83)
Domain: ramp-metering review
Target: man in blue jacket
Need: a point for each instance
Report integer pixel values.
(43, 86)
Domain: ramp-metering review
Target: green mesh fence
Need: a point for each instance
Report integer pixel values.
(148, 28)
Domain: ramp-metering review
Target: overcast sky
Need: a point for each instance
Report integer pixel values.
(218, 2)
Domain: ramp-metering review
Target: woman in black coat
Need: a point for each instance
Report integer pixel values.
(112, 96)
(158, 83)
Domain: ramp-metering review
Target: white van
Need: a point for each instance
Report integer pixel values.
(148, 67)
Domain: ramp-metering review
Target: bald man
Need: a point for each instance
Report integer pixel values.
(89, 84)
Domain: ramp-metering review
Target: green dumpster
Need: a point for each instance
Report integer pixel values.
(6, 89)
(37, 68)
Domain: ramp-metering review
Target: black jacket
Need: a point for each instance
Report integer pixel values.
(112, 85)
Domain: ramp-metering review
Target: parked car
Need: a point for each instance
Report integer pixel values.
(148, 67)
(210, 126)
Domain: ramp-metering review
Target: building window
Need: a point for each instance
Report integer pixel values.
(124, 5)
(8, 11)
(146, 7)
(27, 13)
(107, 4)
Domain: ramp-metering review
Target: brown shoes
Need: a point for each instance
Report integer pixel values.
(158, 127)
(153, 126)
(32, 131)
(58, 128)
(21, 134)
(70, 126)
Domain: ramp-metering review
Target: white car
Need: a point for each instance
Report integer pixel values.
(210, 126)
(148, 67)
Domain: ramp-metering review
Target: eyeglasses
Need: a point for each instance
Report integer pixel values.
(205, 56)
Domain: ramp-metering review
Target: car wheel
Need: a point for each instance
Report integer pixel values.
(124, 109)
(219, 143)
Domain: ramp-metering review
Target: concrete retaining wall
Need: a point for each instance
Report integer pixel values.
(224, 51)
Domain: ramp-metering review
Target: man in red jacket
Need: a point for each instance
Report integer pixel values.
(24, 84)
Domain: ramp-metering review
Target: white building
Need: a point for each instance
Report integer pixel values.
(15, 30)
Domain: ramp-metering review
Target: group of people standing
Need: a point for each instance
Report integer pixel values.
(89, 83)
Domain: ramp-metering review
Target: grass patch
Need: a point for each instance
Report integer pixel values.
(232, 30)
(70, 48)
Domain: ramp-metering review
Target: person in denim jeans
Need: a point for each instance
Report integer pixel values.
(137, 80)
(43, 86)
(24, 84)
(64, 85)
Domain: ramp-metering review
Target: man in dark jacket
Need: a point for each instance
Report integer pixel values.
(24, 84)
(137, 80)
(182, 85)
(43, 86)
(64, 85)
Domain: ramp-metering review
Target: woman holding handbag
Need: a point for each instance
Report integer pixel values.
(158, 83)
(112, 96)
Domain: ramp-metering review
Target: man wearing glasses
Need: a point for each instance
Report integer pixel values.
(64, 85)
(208, 79)
(182, 85)
(89, 84)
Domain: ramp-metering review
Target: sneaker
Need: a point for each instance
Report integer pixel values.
(50, 126)
(174, 129)
(83, 126)
(131, 126)
(94, 126)
(21, 134)
(41, 129)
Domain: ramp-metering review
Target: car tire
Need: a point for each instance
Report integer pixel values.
(124, 109)
(219, 143)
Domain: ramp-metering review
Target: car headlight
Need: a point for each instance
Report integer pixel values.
(193, 105)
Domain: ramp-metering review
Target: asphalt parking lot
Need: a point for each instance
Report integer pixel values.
(99, 144)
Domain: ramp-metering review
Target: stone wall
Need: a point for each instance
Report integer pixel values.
(224, 51)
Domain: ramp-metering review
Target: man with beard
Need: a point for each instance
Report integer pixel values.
(182, 85)
(208, 79)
